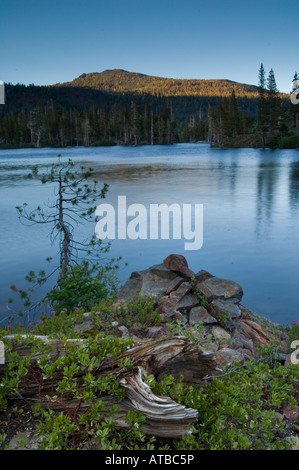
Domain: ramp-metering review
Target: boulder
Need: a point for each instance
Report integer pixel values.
(183, 290)
(220, 333)
(247, 354)
(187, 273)
(200, 315)
(124, 331)
(168, 317)
(202, 276)
(230, 355)
(84, 326)
(167, 305)
(218, 288)
(173, 285)
(155, 331)
(175, 262)
(168, 311)
(187, 303)
(153, 282)
(28, 440)
(249, 330)
(227, 308)
(242, 343)
(179, 264)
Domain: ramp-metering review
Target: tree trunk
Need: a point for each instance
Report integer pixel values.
(65, 249)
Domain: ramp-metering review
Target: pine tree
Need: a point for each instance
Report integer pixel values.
(75, 204)
(262, 109)
(273, 102)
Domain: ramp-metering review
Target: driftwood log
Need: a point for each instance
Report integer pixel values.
(175, 356)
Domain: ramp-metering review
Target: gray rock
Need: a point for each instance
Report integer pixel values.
(175, 284)
(232, 355)
(187, 302)
(220, 333)
(187, 273)
(200, 315)
(202, 276)
(25, 441)
(124, 331)
(241, 343)
(155, 331)
(294, 441)
(218, 288)
(183, 290)
(170, 316)
(84, 326)
(248, 330)
(167, 306)
(159, 270)
(153, 282)
(228, 308)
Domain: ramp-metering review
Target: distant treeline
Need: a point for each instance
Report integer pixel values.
(49, 125)
(75, 115)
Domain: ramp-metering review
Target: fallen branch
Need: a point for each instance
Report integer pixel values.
(174, 356)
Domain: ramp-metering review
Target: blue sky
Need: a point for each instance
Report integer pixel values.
(46, 42)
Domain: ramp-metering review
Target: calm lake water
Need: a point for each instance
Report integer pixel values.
(250, 202)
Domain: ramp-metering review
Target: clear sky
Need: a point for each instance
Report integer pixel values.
(46, 42)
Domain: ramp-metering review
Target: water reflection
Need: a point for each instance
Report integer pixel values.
(267, 182)
(294, 185)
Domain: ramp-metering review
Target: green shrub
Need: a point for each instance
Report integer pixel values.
(238, 411)
(83, 287)
(198, 294)
(137, 314)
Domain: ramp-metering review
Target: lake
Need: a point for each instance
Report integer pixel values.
(250, 203)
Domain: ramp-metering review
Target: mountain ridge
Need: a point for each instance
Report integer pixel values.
(123, 81)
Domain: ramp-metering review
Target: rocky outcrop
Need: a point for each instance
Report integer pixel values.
(193, 299)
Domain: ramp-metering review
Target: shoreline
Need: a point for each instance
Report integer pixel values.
(219, 146)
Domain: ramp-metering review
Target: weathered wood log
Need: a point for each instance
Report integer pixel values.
(174, 356)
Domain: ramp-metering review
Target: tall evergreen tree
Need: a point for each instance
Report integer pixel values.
(273, 102)
(262, 109)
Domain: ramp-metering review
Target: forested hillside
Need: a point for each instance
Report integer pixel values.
(121, 81)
